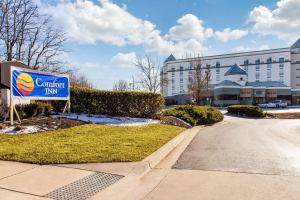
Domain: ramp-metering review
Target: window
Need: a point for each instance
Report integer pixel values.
(269, 69)
(173, 71)
(246, 63)
(257, 70)
(257, 77)
(281, 60)
(173, 80)
(218, 65)
(281, 70)
(281, 66)
(181, 89)
(181, 70)
(181, 79)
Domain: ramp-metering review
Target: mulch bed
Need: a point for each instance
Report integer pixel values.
(174, 121)
(49, 123)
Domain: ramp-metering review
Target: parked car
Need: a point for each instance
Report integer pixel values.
(280, 104)
(263, 105)
(267, 105)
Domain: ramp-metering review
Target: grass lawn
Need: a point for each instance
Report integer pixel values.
(87, 143)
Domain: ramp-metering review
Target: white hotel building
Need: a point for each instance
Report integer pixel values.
(245, 78)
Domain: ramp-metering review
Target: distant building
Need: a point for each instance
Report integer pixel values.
(246, 78)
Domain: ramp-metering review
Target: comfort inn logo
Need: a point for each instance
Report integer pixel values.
(25, 84)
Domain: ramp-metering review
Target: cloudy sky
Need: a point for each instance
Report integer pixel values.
(106, 36)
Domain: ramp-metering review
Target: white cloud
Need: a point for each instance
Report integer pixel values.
(189, 26)
(228, 34)
(283, 21)
(245, 49)
(88, 22)
(124, 59)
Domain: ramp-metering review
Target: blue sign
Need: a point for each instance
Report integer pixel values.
(31, 84)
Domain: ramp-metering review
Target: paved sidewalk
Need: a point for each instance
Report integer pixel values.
(35, 182)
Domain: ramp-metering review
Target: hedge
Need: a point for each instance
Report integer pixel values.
(33, 109)
(115, 103)
(247, 110)
(195, 115)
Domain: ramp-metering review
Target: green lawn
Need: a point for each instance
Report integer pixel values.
(87, 143)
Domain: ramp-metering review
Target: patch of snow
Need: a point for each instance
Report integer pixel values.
(116, 121)
(24, 130)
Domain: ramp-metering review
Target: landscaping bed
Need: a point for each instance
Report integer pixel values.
(288, 115)
(39, 124)
(87, 143)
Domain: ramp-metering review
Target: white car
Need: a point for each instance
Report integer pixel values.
(280, 104)
(263, 105)
(267, 105)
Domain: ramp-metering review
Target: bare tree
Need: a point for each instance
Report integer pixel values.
(79, 80)
(150, 79)
(30, 37)
(198, 80)
(121, 85)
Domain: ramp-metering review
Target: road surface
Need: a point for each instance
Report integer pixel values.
(237, 159)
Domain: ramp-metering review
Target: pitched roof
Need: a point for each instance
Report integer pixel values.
(266, 84)
(235, 70)
(228, 83)
(296, 44)
(170, 58)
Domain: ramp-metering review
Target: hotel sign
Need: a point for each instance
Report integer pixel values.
(29, 84)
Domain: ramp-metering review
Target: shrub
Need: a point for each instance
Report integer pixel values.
(116, 103)
(33, 109)
(195, 115)
(247, 110)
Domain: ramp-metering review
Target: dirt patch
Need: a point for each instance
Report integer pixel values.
(48, 123)
(170, 120)
(294, 115)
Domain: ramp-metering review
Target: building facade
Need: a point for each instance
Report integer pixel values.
(247, 78)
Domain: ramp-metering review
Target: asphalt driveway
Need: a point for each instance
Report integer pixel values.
(265, 146)
(237, 159)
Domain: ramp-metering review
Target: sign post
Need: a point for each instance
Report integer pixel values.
(36, 85)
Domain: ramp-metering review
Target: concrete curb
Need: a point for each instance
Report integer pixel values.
(124, 186)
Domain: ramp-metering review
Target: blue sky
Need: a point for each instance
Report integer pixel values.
(107, 35)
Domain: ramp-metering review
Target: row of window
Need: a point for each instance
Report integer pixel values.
(258, 61)
(246, 63)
